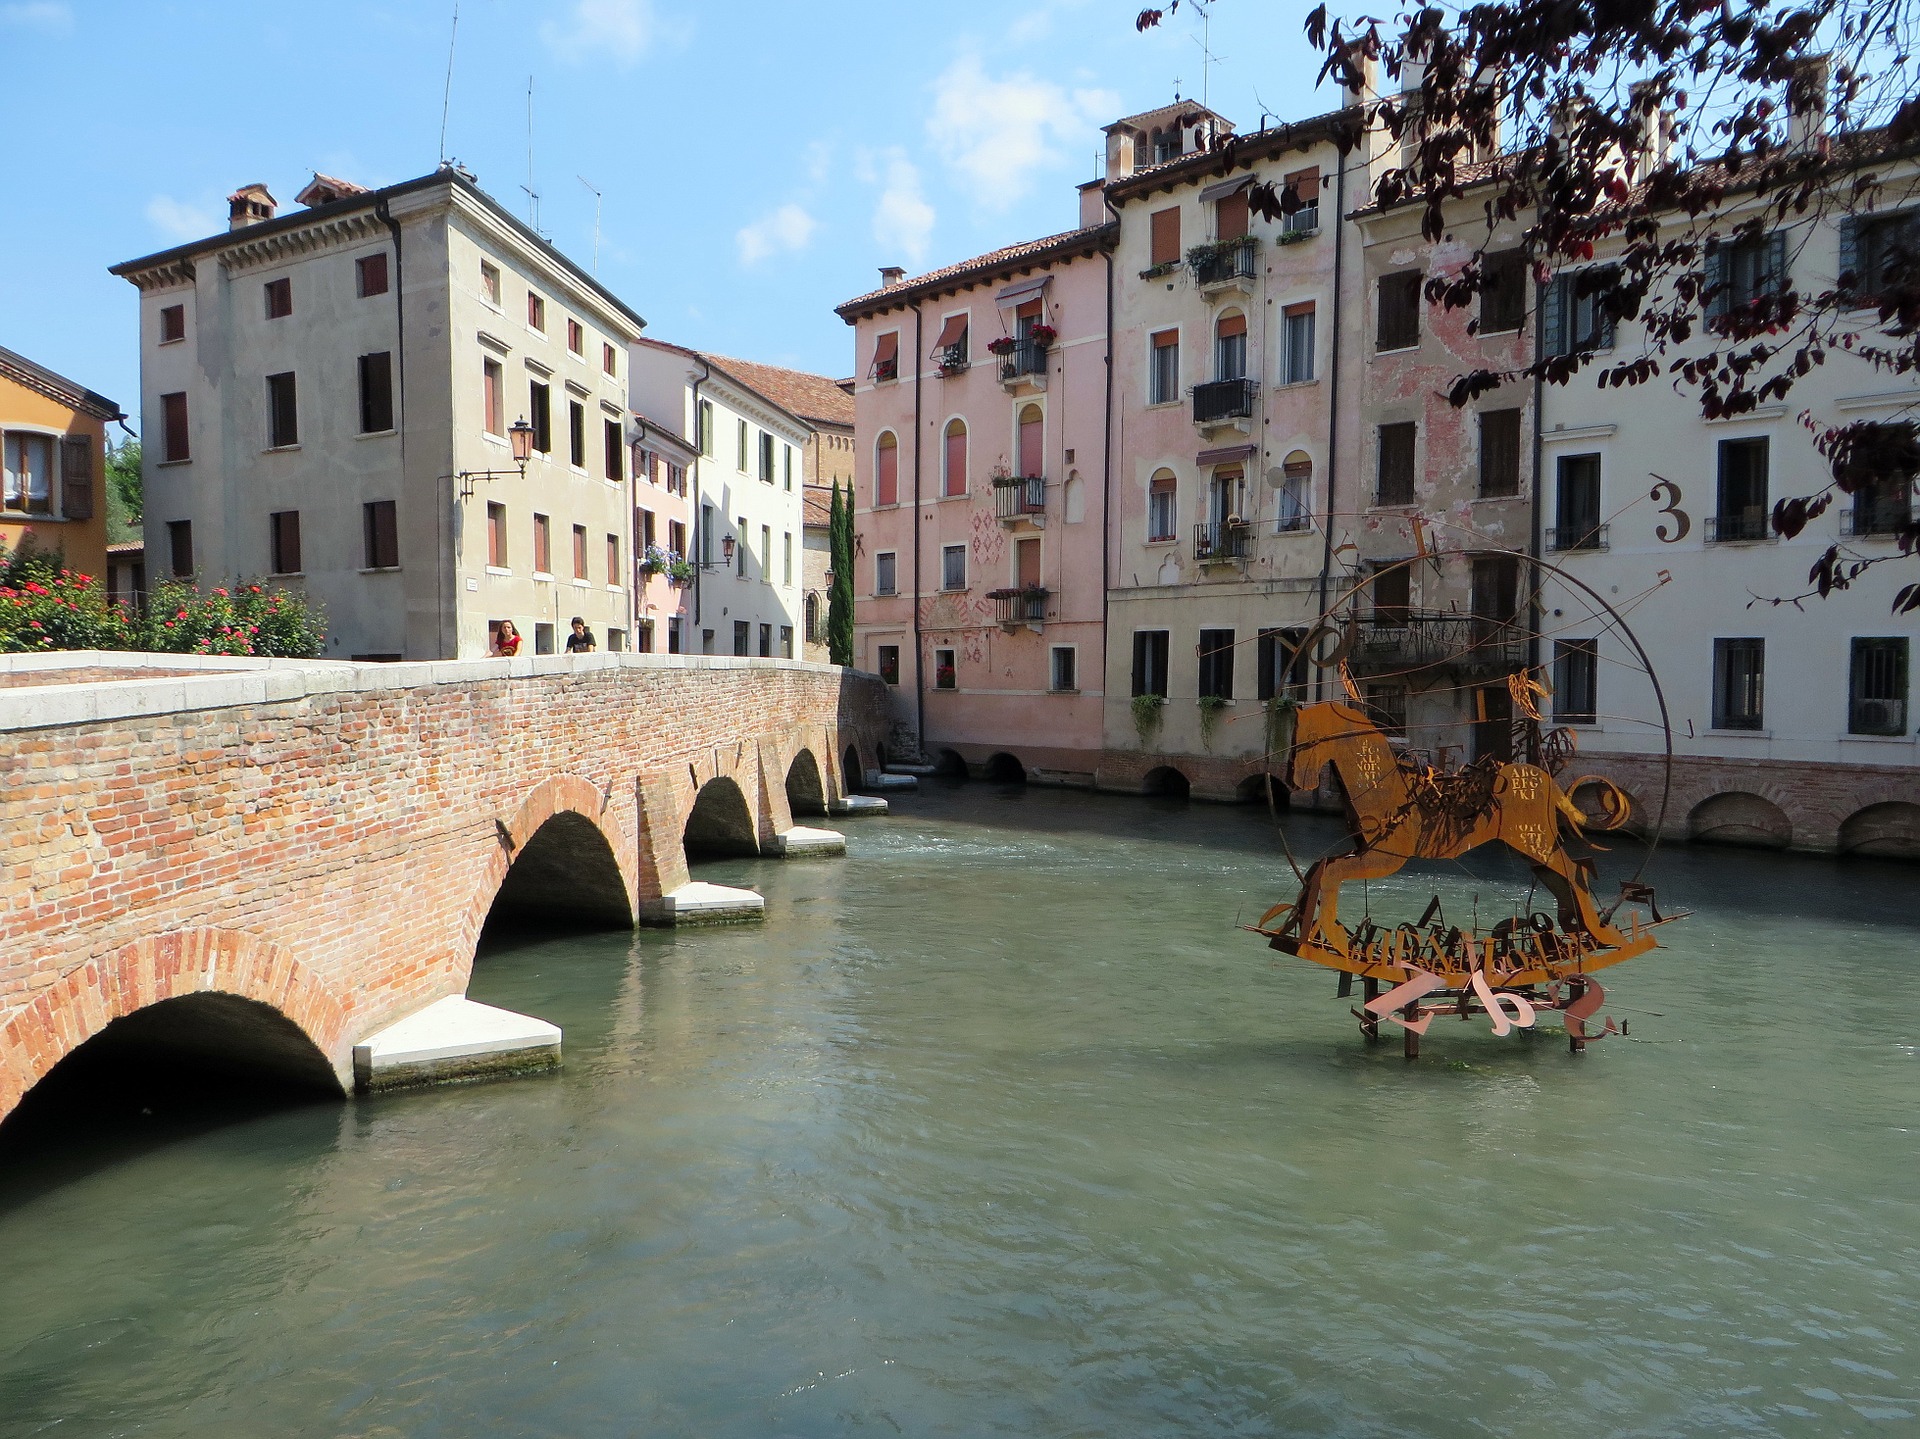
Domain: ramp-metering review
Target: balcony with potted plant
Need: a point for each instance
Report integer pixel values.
(1224, 265)
(1019, 497)
(1024, 605)
(1023, 361)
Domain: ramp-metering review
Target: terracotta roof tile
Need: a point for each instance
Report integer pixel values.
(817, 503)
(981, 265)
(811, 397)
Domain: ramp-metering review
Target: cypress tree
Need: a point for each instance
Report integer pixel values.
(840, 596)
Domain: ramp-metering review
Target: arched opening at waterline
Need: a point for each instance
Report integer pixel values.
(1262, 789)
(1739, 818)
(851, 773)
(565, 876)
(1166, 781)
(721, 823)
(1890, 830)
(806, 791)
(950, 764)
(1004, 768)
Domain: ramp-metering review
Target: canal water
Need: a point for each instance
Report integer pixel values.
(999, 1126)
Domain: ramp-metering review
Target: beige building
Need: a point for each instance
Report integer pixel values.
(330, 398)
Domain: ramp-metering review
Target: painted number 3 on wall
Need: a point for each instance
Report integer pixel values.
(1667, 495)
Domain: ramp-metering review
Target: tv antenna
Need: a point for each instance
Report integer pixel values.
(596, 221)
(446, 95)
(1207, 58)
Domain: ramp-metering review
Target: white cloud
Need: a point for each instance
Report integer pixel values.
(179, 220)
(50, 17)
(997, 133)
(617, 30)
(787, 228)
(902, 218)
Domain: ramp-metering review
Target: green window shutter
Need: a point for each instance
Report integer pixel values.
(1849, 252)
(1718, 296)
(1775, 282)
(1602, 317)
(1553, 315)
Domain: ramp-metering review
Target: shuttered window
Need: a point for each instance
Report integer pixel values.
(1164, 387)
(886, 471)
(283, 411)
(542, 545)
(1150, 662)
(1574, 319)
(1164, 233)
(76, 478)
(492, 379)
(1399, 318)
(1499, 453)
(616, 451)
(1395, 474)
(1741, 275)
(1216, 664)
(376, 393)
(173, 427)
(173, 324)
(279, 299)
(1503, 303)
(371, 274)
(540, 405)
(1230, 217)
(284, 527)
(382, 526)
(886, 357)
(954, 476)
(1032, 435)
(1870, 244)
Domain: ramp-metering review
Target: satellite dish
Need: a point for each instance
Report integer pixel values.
(1276, 477)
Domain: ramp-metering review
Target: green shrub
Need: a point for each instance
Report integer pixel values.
(247, 619)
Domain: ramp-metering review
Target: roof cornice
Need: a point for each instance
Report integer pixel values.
(1014, 260)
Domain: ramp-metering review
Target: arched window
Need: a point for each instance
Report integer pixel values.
(1161, 495)
(813, 616)
(1032, 441)
(1296, 490)
(1230, 347)
(954, 479)
(886, 469)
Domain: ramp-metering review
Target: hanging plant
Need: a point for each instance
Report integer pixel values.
(1146, 715)
(1042, 335)
(1282, 710)
(1210, 707)
(1002, 345)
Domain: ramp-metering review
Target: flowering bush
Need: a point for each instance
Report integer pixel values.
(1003, 345)
(58, 610)
(658, 560)
(1042, 335)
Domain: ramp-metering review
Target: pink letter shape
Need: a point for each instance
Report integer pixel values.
(1523, 1015)
(1404, 994)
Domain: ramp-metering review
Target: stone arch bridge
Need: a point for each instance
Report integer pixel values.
(311, 850)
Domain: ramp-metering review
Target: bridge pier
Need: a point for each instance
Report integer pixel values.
(857, 804)
(805, 842)
(698, 902)
(450, 1040)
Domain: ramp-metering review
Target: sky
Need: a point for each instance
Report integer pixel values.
(756, 161)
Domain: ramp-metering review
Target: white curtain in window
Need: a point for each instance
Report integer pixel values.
(29, 472)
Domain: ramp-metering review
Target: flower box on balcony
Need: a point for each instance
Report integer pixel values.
(1003, 345)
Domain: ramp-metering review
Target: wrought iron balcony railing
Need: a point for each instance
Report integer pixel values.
(1224, 400)
(1019, 496)
(1024, 606)
(1222, 540)
(1232, 262)
(1577, 537)
(1742, 527)
(1876, 517)
(1410, 640)
(1027, 357)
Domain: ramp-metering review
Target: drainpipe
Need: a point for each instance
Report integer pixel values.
(1106, 481)
(698, 525)
(1333, 401)
(919, 685)
(1534, 548)
(447, 600)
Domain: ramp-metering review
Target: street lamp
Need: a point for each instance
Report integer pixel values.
(520, 436)
(726, 548)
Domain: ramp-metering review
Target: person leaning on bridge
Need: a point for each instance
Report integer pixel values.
(506, 640)
(581, 641)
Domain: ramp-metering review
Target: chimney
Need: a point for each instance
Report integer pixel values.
(1656, 130)
(249, 205)
(1807, 99)
(1365, 65)
(891, 275)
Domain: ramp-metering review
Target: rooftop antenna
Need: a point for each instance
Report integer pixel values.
(596, 221)
(446, 95)
(533, 195)
(1207, 57)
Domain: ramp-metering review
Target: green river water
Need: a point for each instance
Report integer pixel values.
(999, 1126)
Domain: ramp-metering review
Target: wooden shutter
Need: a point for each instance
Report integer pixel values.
(1553, 318)
(1396, 464)
(886, 471)
(1026, 563)
(1398, 323)
(1231, 216)
(1719, 295)
(1602, 317)
(1850, 251)
(76, 477)
(173, 410)
(956, 476)
(1032, 433)
(1774, 280)
(1234, 324)
(1165, 236)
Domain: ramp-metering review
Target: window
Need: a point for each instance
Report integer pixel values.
(707, 536)
(613, 561)
(1742, 510)
(1875, 248)
(742, 637)
(579, 552)
(173, 324)
(1305, 185)
(1388, 705)
(1877, 687)
(1164, 237)
(953, 567)
(493, 383)
(283, 412)
(950, 346)
(1216, 664)
(617, 638)
(945, 671)
(608, 359)
(1296, 491)
(886, 470)
(1503, 301)
(283, 541)
(173, 427)
(740, 551)
(1745, 275)
(1576, 672)
(1150, 662)
(497, 536)
(1392, 590)
(810, 614)
(1296, 356)
(1063, 676)
(540, 403)
(674, 640)
(279, 299)
(889, 661)
(490, 283)
(29, 466)
(766, 553)
(704, 423)
(1398, 323)
(786, 462)
(370, 274)
(1395, 476)
(1494, 597)
(1577, 512)
(381, 523)
(1573, 318)
(953, 472)
(576, 337)
(766, 458)
(1160, 506)
(536, 312)
(886, 357)
(740, 446)
(1739, 683)
(1164, 376)
(180, 548)
(786, 642)
(1230, 216)
(646, 529)
(576, 434)
(786, 557)
(1031, 434)
(1499, 453)
(677, 537)
(1230, 347)
(542, 545)
(1282, 659)
(616, 451)
(376, 393)
(883, 573)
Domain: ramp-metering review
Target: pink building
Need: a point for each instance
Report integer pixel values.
(662, 535)
(980, 405)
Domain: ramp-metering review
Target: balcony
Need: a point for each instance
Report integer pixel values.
(1407, 641)
(1222, 541)
(1024, 364)
(1223, 266)
(1576, 537)
(1219, 401)
(1019, 497)
(1024, 606)
(1744, 528)
(1879, 516)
